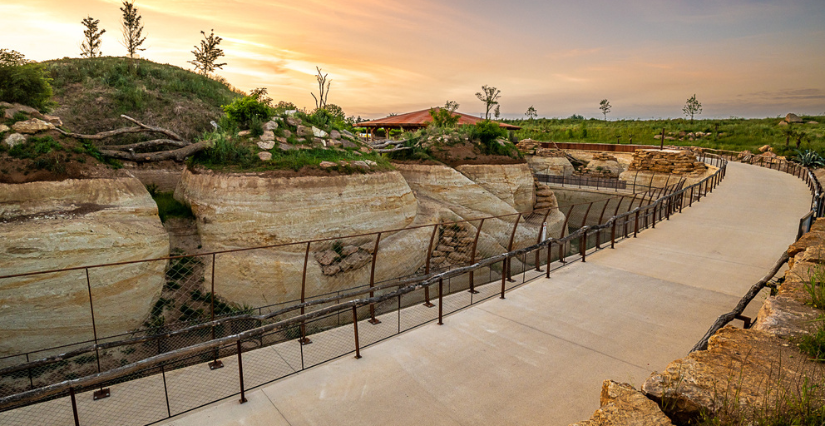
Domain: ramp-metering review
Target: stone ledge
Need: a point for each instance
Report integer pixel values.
(621, 404)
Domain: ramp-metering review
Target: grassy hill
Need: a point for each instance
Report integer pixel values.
(93, 93)
(736, 134)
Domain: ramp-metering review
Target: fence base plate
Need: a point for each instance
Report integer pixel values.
(472, 291)
(305, 341)
(374, 321)
(214, 365)
(101, 394)
(429, 305)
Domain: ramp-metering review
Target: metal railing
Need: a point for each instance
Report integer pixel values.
(168, 374)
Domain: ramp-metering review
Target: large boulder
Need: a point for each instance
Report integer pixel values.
(55, 225)
(14, 139)
(621, 404)
(32, 126)
(556, 166)
(793, 118)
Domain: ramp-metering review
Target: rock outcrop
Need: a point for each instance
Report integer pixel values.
(511, 183)
(54, 225)
(622, 405)
(651, 167)
(245, 210)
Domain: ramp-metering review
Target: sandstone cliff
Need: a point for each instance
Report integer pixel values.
(51, 225)
(511, 183)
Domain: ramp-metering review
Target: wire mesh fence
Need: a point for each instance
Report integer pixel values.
(195, 347)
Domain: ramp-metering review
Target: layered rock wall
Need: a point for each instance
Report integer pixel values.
(511, 183)
(54, 225)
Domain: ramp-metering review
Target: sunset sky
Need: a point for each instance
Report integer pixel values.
(741, 58)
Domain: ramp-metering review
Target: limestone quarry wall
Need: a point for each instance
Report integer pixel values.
(245, 210)
(511, 183)
(52, 225)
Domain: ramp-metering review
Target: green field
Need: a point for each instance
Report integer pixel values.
(735, 134)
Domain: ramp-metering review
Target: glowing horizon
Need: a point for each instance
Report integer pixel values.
(741, 58)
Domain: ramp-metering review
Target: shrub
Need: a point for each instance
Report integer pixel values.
(35, 147)
(24, 82)
(243, 111)
(814, 344)
(810, 159)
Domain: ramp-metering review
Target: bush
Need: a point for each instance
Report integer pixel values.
(226, 151)
(26, 84)
(442, 117)
(244, 111)
(810, 159)
(35, 147)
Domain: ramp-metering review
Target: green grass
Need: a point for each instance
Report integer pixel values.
(814, 344)
(168, 206)
(35, 147)
(739, 134)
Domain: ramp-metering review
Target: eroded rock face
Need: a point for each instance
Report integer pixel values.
(54, 225)
(244, 210)
(621, 404)
(511, 183)
(744, 368)
(556, 166)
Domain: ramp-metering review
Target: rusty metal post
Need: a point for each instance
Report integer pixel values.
(304, 340)
(509, 261)
(355, 328)
(373, 320)
(549, 253)
(583, 245)
(636, 227)
(586, 213)
(613, 234)
(427, 267)
(473, 257)
(690, 201)
(102, 392)
(655, 209)
(240, 372)
(74, 407)
(504, 268)
(538, 237)
(216, 363)
(563, 230)
(440, 301)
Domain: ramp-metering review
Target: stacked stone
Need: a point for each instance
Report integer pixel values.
(603, 156)
(454, 247)
(527, 145)
(545, 197)
(344, 260)
(550, 152)
(666, 162)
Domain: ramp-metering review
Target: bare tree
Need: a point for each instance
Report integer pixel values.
(531, 112)
(323, 88)
(692, 106)
(90, 47)
(132, 29)
(207, 53)
(604, 105)
(489, 95)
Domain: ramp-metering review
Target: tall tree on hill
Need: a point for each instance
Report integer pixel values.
(531, 113)
(207, 54)
(692, 107)
(604, 105)
(497, 112)
(323, 87)
(489, 95)
(132, 28)
(90, 48)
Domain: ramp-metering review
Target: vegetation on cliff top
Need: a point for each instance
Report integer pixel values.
(735, 134)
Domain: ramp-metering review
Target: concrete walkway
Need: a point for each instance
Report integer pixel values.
(539, 356)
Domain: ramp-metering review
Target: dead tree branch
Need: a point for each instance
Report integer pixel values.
(148, 144)
(177, 154)
(141, 128)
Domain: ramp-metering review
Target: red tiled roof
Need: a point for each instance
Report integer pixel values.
(421, 118)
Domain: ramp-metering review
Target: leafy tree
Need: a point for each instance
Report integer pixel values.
(692, 106)
(246, 111)
(260, 94)
(604, 105)
(90, 47)
(23, 81)
(489, 95)
(132, 28)
(323, 90)
(335, 111)
(452, 106)
(497, 112)
(531, 113)
(207, 54)
(443, 117)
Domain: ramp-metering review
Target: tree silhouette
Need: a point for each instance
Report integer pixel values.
(531, 112)
(90, 47)
(207, 53)
(132, 29)
(692, 106)
(321, 101)
(489, 95)
(604, 105)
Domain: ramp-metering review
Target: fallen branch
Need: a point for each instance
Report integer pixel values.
(387, 143)
(141, 128)
(177, 154)
(144, 145)
(381, 151)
